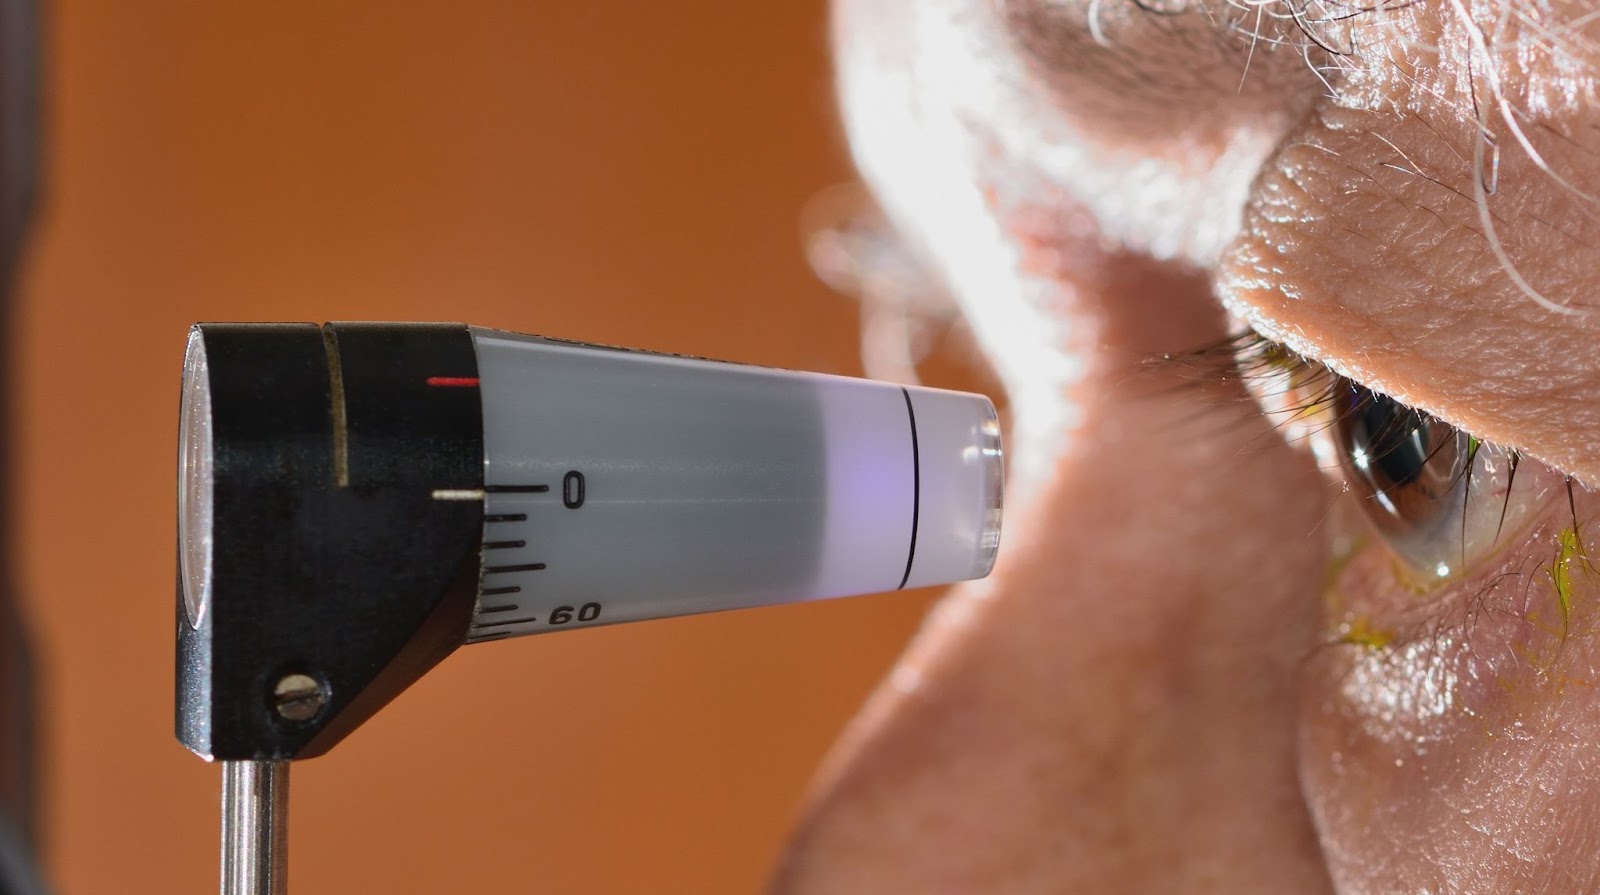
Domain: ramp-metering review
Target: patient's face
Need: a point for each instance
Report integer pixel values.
(1348, 644)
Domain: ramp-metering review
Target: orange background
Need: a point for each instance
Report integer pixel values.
(629, 173)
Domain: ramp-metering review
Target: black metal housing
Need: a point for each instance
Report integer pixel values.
(20, 162)
(332, 554)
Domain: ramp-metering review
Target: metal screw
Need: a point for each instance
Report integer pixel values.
(298, 697)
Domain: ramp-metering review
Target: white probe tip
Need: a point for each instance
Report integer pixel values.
(961, 482)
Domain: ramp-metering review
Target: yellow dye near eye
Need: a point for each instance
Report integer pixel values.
(1276, 355)
(1569, 547)
(1359, 632)
(1354, 629)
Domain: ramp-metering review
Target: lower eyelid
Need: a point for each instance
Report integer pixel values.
(1429, 665)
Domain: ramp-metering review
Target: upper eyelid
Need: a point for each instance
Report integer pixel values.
(1272, 331)
(1570, 401)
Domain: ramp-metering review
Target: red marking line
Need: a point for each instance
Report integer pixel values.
(453, 381)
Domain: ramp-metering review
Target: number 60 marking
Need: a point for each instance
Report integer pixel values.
(588, 612)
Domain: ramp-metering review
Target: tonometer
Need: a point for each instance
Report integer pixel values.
(358, 500)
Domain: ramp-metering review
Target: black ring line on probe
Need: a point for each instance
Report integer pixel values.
(916, 488)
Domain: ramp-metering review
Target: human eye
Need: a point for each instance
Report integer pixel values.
(1436, 529)
(1439, 498)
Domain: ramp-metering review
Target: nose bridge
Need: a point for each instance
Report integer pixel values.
(1156, 597)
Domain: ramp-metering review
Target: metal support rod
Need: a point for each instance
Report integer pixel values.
(255, 827)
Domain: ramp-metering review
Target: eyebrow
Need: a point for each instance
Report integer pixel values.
(1207, 48)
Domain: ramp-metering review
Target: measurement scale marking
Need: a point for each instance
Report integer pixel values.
(503, 545)
(508, 622)
(500, 591)
(506, 608)
(526, 567)
(506, 517)
(457, 494)
(516, 489)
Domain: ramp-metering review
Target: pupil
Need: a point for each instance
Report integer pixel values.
(1405, 461)
(1389, 440)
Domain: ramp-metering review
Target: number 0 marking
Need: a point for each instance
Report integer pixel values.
(572, 490)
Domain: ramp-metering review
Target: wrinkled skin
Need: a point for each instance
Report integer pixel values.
(1188, 673)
